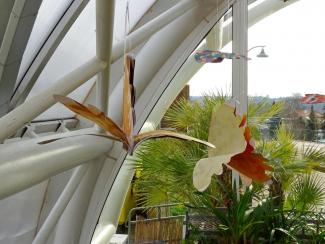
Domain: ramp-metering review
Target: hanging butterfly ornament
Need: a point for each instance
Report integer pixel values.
(234, 148)
(209, 56)
(126, 133)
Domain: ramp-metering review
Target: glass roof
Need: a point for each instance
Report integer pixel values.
(48, 16)
(77, 47)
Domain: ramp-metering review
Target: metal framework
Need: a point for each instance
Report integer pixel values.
(26, 84)
(24, 164)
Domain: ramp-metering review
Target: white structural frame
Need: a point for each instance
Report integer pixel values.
(76, 150)
(239, 66)
(104, 40)
(46, 52)
(29, 110)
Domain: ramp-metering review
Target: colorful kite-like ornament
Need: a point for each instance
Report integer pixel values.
(313, 99)
(233, 148)
(209, 56)
(125, 134)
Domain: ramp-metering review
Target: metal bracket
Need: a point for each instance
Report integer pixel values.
(29, 132)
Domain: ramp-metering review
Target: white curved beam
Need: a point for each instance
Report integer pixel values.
(12, 48)
(60, 205)
(45, 53)
(182, 77)
(26, 163)
(151, 78)
(144, 32)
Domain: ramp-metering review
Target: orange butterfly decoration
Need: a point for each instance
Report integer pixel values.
(250, 164)
(126, 133)
(233, 148)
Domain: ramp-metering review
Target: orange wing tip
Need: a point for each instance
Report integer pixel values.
(247, 134)
(243, 121)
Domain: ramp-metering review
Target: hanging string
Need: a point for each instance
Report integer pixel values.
(126, 26)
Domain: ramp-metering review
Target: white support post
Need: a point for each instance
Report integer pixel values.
(239, 66)
(104, 40)
(144, 32)
(27, 111)
(60, 205)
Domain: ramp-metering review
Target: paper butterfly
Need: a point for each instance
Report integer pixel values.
(209, 56)
(233, 148)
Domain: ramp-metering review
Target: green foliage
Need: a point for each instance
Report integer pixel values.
(259, 113)
(305, 193)
(238, 223)
(166, 167)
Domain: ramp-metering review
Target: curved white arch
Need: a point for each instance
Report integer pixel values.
(188, 69)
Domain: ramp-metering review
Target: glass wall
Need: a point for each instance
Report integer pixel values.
(214, 78)
(294, 38)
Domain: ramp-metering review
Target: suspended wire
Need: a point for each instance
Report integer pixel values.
(126, 26)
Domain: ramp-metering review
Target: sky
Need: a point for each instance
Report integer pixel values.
(294, 39)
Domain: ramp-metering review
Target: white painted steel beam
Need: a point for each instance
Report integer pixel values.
(60, 205)
(104, 40)
(239, 66)
(104, 36)
(27, 111)
(26, 163)
(172, 45)
(10, 32)
(144, 32)
(108, 220)
(45, 53)
(14, 42)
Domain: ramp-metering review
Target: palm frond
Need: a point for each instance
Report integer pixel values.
(306, 193)
(259, 112)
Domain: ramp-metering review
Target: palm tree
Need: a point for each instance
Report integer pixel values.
(166, 165)
(165, 169)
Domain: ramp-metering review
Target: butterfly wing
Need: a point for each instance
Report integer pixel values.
(94, 114)
(128, 100)
(249, 164)
(164, 133)
(208, 56)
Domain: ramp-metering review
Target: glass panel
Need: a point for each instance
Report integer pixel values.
(78, 46)
(136, 10)
(48, 16)
(214, 77)
(293, 68)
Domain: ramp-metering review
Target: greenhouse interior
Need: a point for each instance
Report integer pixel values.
(162, 121)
